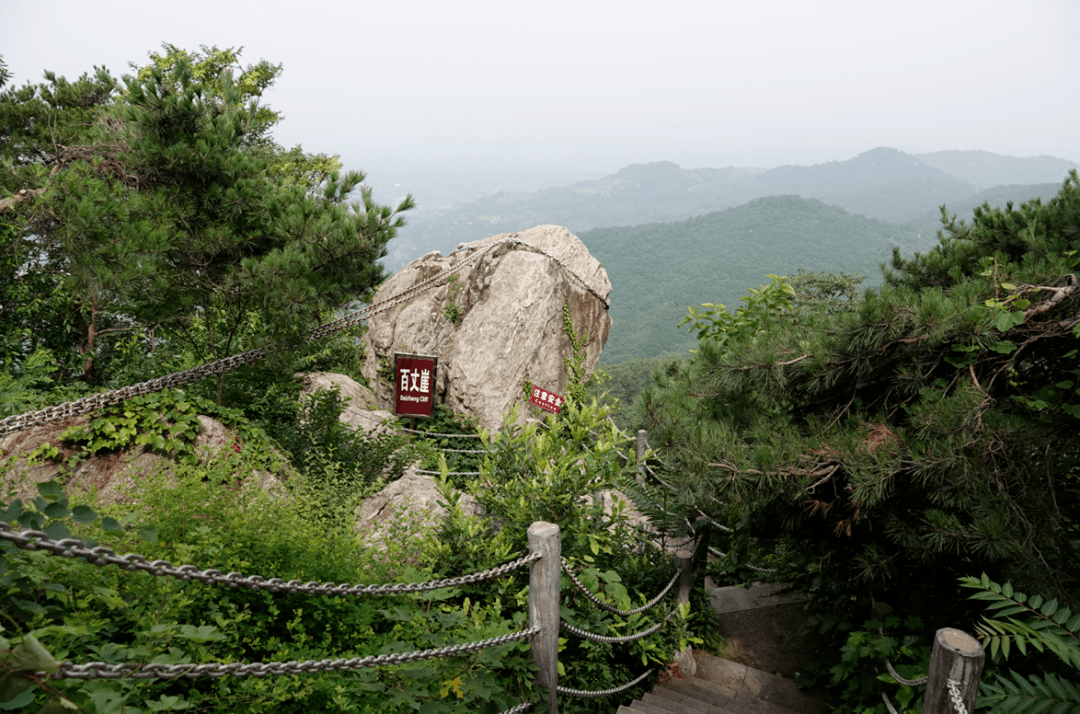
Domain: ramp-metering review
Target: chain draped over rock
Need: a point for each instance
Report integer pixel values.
(94, 402)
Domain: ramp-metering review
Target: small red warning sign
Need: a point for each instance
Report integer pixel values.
(545, 399)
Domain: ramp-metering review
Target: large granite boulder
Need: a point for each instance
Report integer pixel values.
(497, 323)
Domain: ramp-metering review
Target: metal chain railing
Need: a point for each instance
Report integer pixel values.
(611, 608)
(585, 634)
(435, 433)
(94, 402)
(101, 670)
(99, 555)
(909, 682)
(448, 473)
(603, 693)
(955, 697)
(523, 707)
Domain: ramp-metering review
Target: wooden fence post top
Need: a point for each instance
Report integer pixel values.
(959, 641)
(956, 665)
(543, 528)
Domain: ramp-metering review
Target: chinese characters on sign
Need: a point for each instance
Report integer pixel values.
(545, 399)
(414, 388)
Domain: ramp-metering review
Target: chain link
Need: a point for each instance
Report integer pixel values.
(611, 608)
(74, 548)
(435, 433)
(604, 693)
(523, 707)
(611, 640)
(449, 473)
(908, 682)
(94, 402)
(955, 696)
(101, 670)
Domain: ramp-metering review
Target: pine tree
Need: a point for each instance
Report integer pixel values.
(929, 430)
(162, 204)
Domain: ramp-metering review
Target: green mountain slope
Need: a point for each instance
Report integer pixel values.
(659, 269)
(929, 223)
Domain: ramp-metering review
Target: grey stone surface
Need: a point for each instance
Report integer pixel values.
(105, 477)
(735, 599)
(507, 327)
(406, 508)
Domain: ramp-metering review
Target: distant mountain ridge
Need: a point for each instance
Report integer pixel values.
(882, 183)
(659, 269)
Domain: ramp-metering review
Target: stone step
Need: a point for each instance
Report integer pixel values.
(747, 683)
(737, 599)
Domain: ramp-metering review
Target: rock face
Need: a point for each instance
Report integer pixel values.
(106, 476)
(405, 508)
(361, 405)
(495, 324)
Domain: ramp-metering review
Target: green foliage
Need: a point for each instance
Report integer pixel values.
(858, 677)
(714, 322)
(459, 454)
(885, 446)
(164, 210)
(575, 364)
(164, 422)
(548, 472)
(452, 312)
(1046, 626)
(338, 466)
(208, 516)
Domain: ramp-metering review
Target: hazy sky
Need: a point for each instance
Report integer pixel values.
(411, 85)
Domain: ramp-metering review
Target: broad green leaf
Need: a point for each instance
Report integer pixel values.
(112, 526)
(83, 514)
(57, 510)
(16, 691)
(57, 530)
(30, 656)
(50, 490)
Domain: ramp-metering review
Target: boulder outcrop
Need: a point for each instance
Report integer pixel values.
(494, 324)
(361, 409)
(406, 508)
(106, 476)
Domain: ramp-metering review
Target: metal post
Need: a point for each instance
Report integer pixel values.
(956, 664)
(684, 564)
(544, 577)
(641, 456)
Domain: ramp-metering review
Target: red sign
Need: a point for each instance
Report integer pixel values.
(414, 384)
(545, 399)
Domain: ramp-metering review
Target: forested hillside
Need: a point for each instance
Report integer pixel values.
(660, 269)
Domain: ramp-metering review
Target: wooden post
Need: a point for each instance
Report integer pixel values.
(703, 528)
(684, 561)
(641, 456)
(956, 664)
(544, 577)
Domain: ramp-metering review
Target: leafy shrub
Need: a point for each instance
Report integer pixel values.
(1046, 626)
(338, 466)
(83, 612)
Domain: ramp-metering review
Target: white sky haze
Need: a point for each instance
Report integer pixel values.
(406, 85)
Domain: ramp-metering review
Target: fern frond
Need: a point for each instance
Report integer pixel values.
(1020, 695)
(1046, 627)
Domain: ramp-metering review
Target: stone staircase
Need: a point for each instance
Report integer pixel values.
(751, 619)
